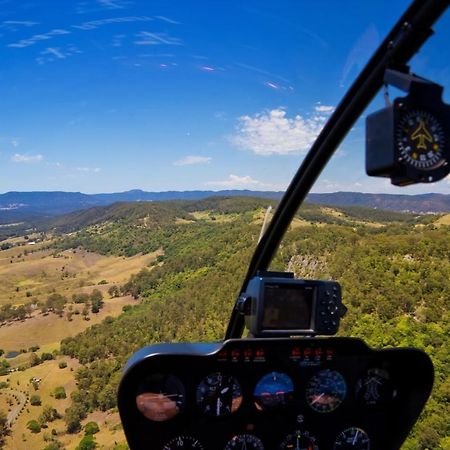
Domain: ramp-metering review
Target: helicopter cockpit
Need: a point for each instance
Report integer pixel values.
(291, 384)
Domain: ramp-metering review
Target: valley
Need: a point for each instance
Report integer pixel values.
(171, 272)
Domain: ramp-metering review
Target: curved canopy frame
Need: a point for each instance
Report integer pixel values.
(407, 36)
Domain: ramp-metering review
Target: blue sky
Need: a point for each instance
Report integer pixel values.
(111, 95)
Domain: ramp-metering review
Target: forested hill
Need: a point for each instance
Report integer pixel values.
(393, 269)
(30, 206)
(424, 203)
(159, 214)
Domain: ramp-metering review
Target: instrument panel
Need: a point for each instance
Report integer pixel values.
(273, 394)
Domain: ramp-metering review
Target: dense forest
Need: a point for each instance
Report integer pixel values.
(393, 269)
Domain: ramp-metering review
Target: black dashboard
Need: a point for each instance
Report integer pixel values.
(273, 394)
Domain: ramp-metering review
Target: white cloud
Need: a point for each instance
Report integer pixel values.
(244, 182)
(235, 181)
(272, 133)
(88, 169)
(25, 158)
(23, 43)
(191, 160)
(324, 108)
(148, 38)
(15, 142)
(92, 25)
(168, 20)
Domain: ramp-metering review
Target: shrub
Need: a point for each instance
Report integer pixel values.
(35, 400)
(62, 365)
(34, 426)
(47, 356)
(91, 428)
(59, 393)
(87, 443)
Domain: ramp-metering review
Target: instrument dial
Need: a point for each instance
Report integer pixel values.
(375, 388)
(219, 395)
(420, 140)
(352, 439)
(161, 397)
(244, 442)
(326, 390)
(273, 390)
(299, 440)
(183, 443)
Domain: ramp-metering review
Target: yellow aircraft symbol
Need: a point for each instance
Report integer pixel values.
(422, 134)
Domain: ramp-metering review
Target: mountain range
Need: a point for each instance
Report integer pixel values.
(19, 206)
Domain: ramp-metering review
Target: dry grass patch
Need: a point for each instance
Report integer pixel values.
(48, 330)
(444, 220)
(51, 376)
(34, 276)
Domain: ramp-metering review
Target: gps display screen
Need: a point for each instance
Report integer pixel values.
(287, 307)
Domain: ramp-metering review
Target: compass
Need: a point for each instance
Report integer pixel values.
(409, 140)
(420, 140)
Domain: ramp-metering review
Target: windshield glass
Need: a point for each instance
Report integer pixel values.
(141, 144)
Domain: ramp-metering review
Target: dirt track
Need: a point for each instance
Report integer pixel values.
(19, 397)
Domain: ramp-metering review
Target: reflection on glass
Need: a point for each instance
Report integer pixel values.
(161, 397)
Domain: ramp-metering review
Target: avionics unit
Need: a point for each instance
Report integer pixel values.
(276, 304)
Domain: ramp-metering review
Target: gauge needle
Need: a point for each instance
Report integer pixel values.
(224, 390)
(317, 398)
(218, 405)
(297, 447)
(354, 439)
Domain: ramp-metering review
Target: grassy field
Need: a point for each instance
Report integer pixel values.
(29, 273)
(23, 335)
(33, 276)
(444, 220)
(52, 376)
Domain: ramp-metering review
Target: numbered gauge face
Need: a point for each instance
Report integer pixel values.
(244, 442)
(420, 140)
(161, 397)
(273, 390)
(352, 439)
(325, 391)
(183, 442)
(299, 440)
(375, 388)
(219, 395)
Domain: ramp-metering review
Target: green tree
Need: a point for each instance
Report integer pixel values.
(33, 426)
(4, 428)
(87, 443)
(73, 417)
(59, 393)
(114, 291)
(80, 298)
(35, 400)
(49, 414)
(91, 428)
(96, 301)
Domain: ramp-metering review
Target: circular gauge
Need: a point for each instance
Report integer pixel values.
(161, 397)
(273, 390)
(244, 442)
(352, 439)
(326, 391)
(299, 440)
(420, 140)
(183, 442)
(375, 388)
(219, 395)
